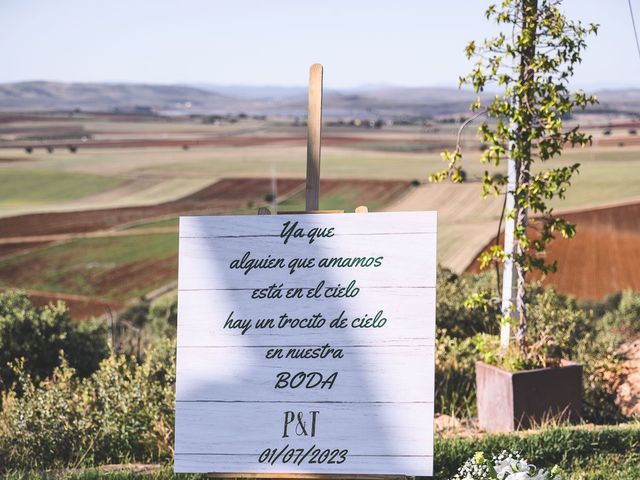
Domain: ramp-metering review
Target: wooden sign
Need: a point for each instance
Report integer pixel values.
(306, 344)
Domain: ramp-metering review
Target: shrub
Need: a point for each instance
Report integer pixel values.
(269, 197)
(601, 307)
(557, 326)
(144, 324)
(452, 315)
(455, 376)
(123, 412)
(163, 317)
(562, 329)
(38, 335)
(626, 317)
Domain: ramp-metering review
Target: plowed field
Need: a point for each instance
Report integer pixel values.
(223, 196)
(602, 258)
(93, 261)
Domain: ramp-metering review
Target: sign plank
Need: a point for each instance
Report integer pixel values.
(306, 344)
(250, 263)
(390, 431)
(377, 372)
(200, 311)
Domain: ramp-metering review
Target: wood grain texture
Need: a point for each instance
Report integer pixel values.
(203, 313)
(375, 223)
(392, 431)
(207, 261)
(314, 137)
(236, 352)
(365, 374)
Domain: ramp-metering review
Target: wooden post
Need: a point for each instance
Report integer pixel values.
(314, 135)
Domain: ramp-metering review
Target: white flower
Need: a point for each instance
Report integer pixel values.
(517, 476)
(506, 467)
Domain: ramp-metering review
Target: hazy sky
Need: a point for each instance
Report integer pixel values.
(272, 42)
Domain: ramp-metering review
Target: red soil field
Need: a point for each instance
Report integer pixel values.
(201, 142)
(227, 141)
(222, 196)
(79, 308)
(9, 249)
(366, 191)
(619, 141)
(602, 258)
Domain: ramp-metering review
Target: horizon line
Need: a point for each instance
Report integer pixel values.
(365, 86)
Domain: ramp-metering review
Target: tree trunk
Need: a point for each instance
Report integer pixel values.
(529, 12)
(514, 274)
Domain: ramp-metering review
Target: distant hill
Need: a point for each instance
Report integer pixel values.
(104, 96)
(623, 100)
(367, 102)
(203, 98)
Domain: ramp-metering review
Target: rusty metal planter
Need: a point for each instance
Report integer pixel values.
(509, 401)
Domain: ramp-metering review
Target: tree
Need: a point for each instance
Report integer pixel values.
(531, 65)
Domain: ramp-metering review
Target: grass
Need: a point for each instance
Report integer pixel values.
(114, 268)
(606, 176)
(583, 453)
(346, 198)
(167, 222)
(592, 453)
(608, 467)
(41, 187)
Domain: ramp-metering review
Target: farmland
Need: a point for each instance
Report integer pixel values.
(96, 224)
(603, 256)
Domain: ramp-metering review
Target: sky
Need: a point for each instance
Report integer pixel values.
(273, 42)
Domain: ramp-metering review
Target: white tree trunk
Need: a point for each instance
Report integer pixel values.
(509, 284)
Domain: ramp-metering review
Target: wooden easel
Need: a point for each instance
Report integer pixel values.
(312, 204)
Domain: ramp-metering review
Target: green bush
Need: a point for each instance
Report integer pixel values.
(452, 316)
(39, 334)
(561, 329)
(123, 412)
(625, 319)
(556, 329)
(455, 376)
(163, 317)
(603, 375)
(145, 324)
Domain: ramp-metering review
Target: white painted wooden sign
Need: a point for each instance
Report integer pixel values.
(306, 344)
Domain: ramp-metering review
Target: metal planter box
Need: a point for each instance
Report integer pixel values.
(509, 401)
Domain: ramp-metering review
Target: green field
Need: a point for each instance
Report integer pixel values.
(27, 187)
(157, 174)
(347, 198)
(121, 268)
(167, 222)
(152, 175)
(113, 268)
(95, 178)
